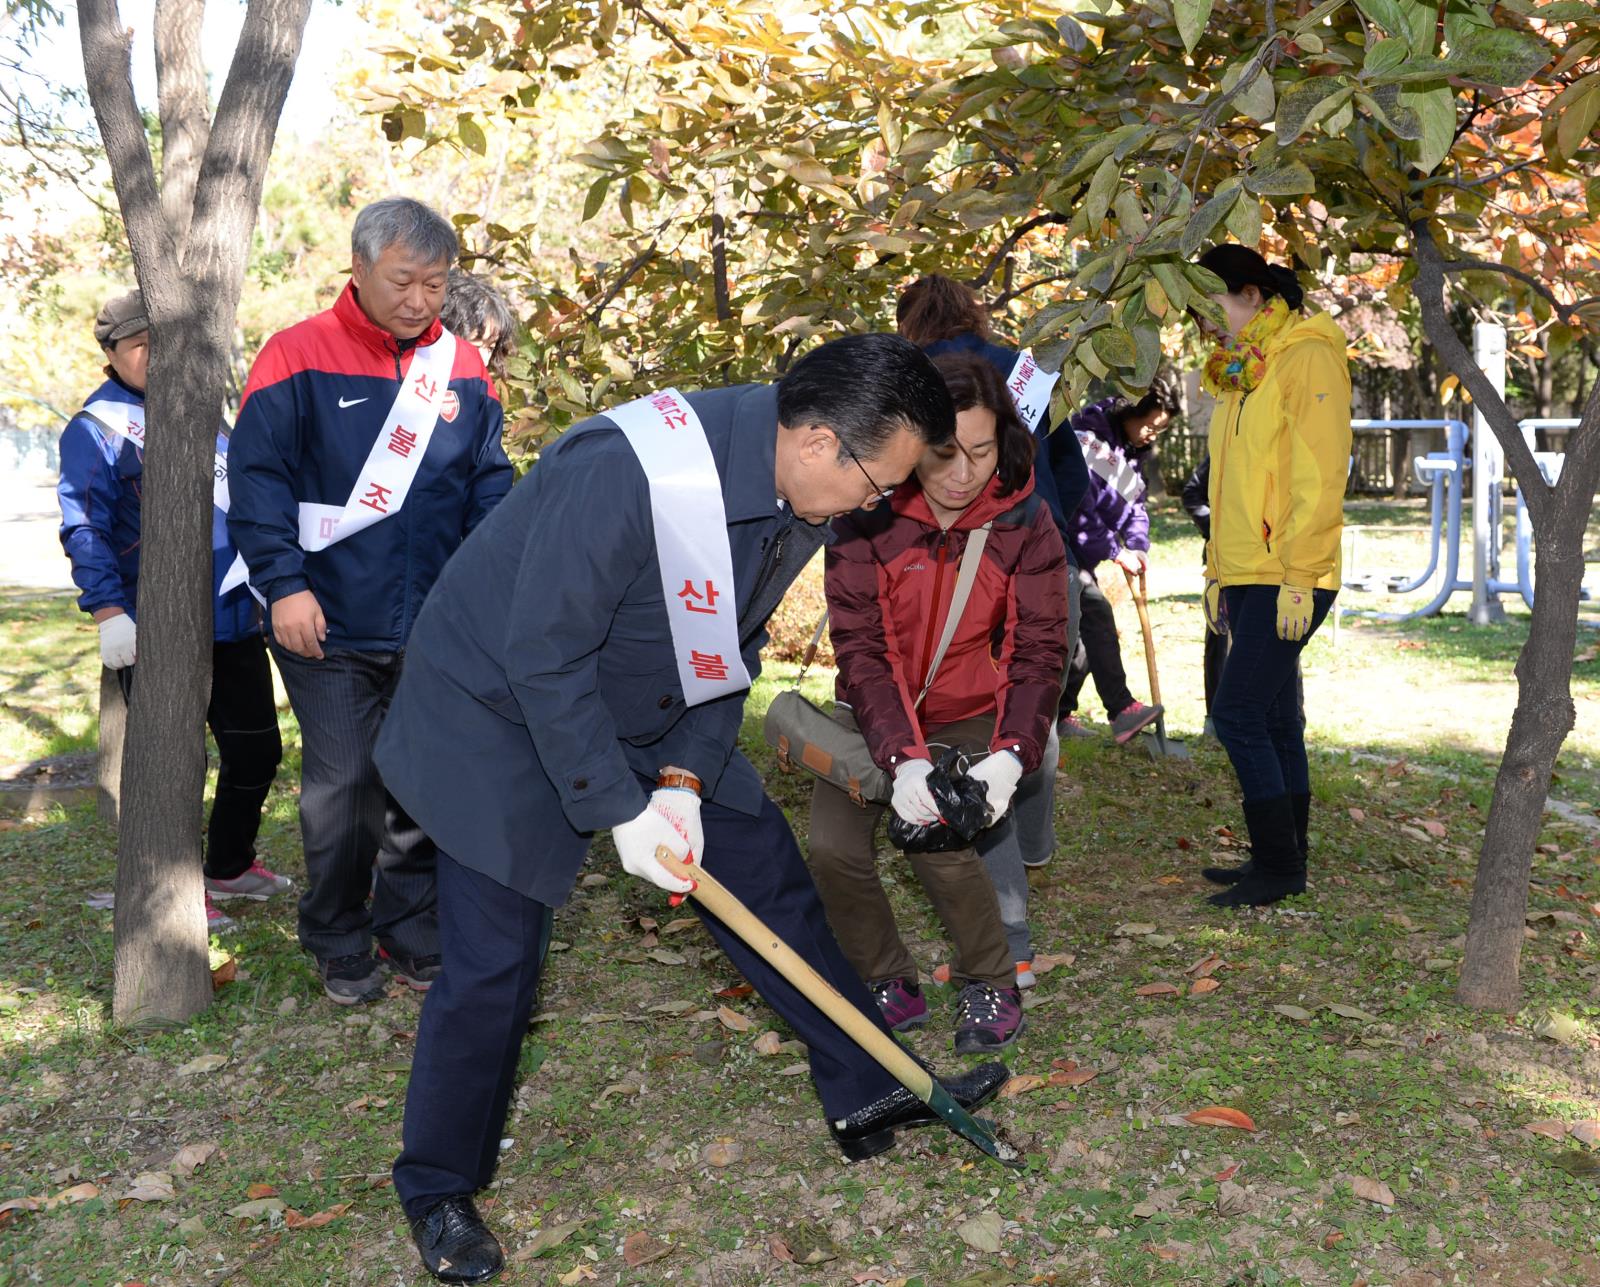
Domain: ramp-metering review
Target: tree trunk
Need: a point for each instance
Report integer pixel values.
(191, 276)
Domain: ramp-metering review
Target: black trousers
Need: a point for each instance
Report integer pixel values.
(493, 943)
(244, 722)
(1098, 653)
(348, 821)
(1216, 652)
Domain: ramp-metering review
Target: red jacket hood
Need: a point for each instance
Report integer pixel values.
(912, 502)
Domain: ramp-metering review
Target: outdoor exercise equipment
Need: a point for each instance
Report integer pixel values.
(723, 904)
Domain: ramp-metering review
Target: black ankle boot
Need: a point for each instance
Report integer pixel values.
(1277, 865)
(870, 1130)
(456, 1245)
(1233, 875)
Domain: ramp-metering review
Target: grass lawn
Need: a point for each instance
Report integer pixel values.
(1399, 1139)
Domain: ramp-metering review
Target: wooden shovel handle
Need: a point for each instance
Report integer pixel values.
(721, 903)
(1136, 586)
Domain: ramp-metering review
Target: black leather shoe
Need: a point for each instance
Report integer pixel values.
(456, 1245)
(870, 1130)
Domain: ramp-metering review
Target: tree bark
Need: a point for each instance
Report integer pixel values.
(184, 107)
(113, 727)
(191, 280)
(1545, 714)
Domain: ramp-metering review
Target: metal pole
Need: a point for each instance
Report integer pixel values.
(1488, 473)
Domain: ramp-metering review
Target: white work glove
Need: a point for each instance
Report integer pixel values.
(999, 772)
(637, 839)
(117, 647)
(911, 799)
(682, 808)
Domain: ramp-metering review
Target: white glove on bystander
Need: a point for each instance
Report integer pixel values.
(637, 839)
(999, 772)
(911, 799)
(117, 641)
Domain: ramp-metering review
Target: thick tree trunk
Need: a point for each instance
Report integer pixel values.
(191, 276)
(185, 108)
(113, 728)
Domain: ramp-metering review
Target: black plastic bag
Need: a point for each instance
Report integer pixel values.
(963, 806)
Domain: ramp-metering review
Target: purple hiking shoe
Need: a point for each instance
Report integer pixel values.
(987, 1018)
(901, 1002)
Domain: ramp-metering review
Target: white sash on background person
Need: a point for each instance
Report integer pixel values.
(691, 530)
(1123, 477)
(127, 421)
(391, 466)
(1030, 389)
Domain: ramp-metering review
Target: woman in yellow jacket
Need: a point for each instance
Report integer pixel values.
(1280, 451)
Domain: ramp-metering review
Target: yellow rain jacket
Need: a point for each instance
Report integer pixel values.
(1280, 455)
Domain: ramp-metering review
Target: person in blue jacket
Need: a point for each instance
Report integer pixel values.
(544, 700)
(102, 467)
(368, 448)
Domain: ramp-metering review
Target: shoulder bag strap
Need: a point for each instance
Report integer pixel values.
(967, 574)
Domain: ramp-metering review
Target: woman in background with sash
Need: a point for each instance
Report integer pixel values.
(891, 582)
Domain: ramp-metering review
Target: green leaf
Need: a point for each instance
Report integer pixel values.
(1421, 19)
(1386, 13)
(1130, 214)
(1287, 180)
(1384, 103)
(1499, 56)
(471, 135)
(1579, 105)
(1192, 16)
(1257, 100)
(1244, 222)
(1299, 104)
(1436, 110)
(1204, 220)
(1098, 200)
(1172, 281)
(1385, 56)
(1147, 344)
(595, 199)
(1114, 347)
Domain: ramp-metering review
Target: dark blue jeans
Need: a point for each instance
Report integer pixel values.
(1256, 711)
(493, 941)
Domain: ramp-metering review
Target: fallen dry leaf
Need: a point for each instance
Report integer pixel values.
(1332, 1240)
(18, 1204)
(1293, 1012)
(639, 1248)
(294, 1220)
(1550, 1128)
(149, 1186)
(1232, 1200)
(257, 1210)
(983, 1231)
(552, 1235)
(579, 1273)
(1073, 1076)
(224, 974)
(1157, 990)
(191, 1157)
(1228, 1173)
(664, 957)
(735, 991)
(204, 1064)
(1161, 1253)
(768, 1043)
(1205, 967)
(1134, 929)
(779, 1248)
(1203, 986)
(1375, 1191)
(1585, 1132)
(261, 1191)
(1434, 828)
(732, 1020)
(1044, 962)
(1021, 1084)
(625, 1089)
(1169, 880)
(723, 1152)
(77, 1193)
(678, 926)
(673, 1007)
(1358, 815)
(1218, 1116)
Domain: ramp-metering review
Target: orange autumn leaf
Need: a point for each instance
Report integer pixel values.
(292, 1219)
(260, 1191)
(1206, 966)
(1203, 986)
(1157, 990)
(1021, 1084)
(1218, 1116)
(1073, 1076)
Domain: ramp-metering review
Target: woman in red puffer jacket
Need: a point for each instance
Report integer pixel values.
(891, 576)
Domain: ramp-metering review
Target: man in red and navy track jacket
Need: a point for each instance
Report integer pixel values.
(367, 448)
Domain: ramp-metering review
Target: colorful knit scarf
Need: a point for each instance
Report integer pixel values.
(1239, 364)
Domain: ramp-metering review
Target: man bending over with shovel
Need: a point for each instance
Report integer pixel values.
(581, 665)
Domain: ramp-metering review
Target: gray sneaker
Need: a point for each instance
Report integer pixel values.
(1129, 721)
(1070, 726)
(256, 883)
(351, 980)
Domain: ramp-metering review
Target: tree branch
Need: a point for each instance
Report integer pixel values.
(667, 33)
(107, 71)
(1470, 265)
(184, 107)
(1432, 269)
(1010, 243)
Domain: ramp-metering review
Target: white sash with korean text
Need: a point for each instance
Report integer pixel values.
(1030, 389)
(127, 421)
(397, 452)
(691, 529)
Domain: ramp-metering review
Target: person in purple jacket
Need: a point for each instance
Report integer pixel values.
(1111, 523)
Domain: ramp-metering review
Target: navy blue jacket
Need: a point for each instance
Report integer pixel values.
(317, 397)
(1060, 478)
(101, 489)
(540, 681)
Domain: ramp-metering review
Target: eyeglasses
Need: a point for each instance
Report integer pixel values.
(879, 493)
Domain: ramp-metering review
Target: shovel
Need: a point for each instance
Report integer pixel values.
(1163, 748)
(717, 899)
